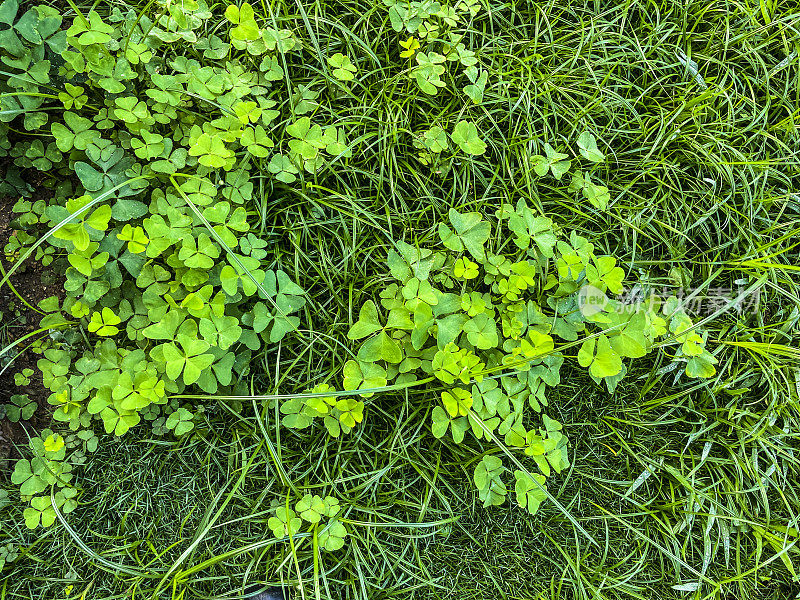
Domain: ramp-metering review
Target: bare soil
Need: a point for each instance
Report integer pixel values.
(34, 283)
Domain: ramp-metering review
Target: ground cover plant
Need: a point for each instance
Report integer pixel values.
(413, 299)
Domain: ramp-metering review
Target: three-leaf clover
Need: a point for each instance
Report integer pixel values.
(471, 232)
(308, 138)
(378, 347)
(442, 420)
(104, 323)
(283, 169)
(73, 96)
(200, 253)
(8, 552)
(555, 162)
(529, 495)
(600, 357)
(180, 421)
(487, 477)
(247, 112)
(190, 358)
(23, 377)
(21, 408)
(343, 69)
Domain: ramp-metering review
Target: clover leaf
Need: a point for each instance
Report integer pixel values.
(8, 552)
(180, 421)
(91, 31)
(104, 323)
(380, 347)
(605, 275)
(308, 140)
(343, 69)
(410, 46)
(555, 162)
(131, 110)
(282, 168)
(597, 195)
(136, 238)
(471, 232)
(21, 408)
(435, 139)
(442, 420)
(481, 331)
(247, 112)
(701, 366)
(285, 523)
(75, 132)
(528, 227)
(336, 142)
(587, 146)
(631, 341)
(368, 322)
(150, 146)
(246, 27)
(464, 268)
(53, 442)
(475, 89)
(487, 477)
(359, 375)
(465, 136)
(311, 508)
(457, 402)
(30, 476)
(600, 357)
(332, 537)
(257, 141)
(200, 253)
(73, 96)
(211, 151)
(529, 495)
(40, 511)
(427, 74)
(190, 358)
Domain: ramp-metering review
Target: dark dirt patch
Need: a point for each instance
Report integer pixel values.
(34, 283)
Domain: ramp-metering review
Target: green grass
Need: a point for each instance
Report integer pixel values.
(703, 177)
